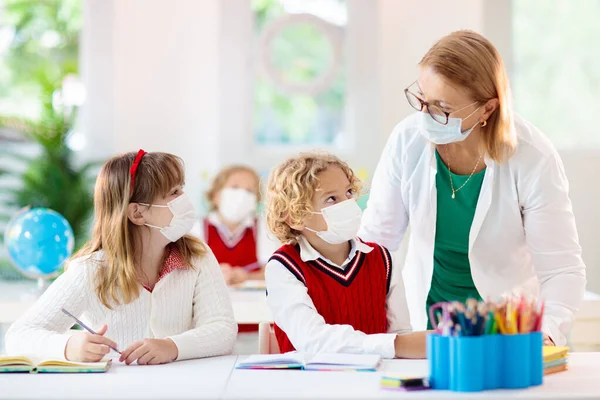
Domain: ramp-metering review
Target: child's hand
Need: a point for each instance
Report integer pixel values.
(150, 352)
(226, 270)
(238, 275)
(548, 341)
(86, 347)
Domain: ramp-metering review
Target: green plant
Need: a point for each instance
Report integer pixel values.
(45, 46)
(51, 178)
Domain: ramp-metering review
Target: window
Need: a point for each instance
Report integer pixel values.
(299, 91)
(556, 82)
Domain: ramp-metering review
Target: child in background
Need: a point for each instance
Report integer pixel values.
(156, 291)
(232, 228)
(329, 291)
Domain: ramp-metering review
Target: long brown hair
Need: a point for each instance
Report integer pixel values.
(470, 61)
(113, 233)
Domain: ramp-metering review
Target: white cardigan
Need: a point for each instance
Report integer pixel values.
(523, 233)
(191, 307)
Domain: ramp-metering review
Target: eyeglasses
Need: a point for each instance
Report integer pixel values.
(438, 115)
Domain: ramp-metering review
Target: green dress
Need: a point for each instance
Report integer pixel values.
(452, 278)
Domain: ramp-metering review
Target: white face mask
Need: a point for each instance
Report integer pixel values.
(444, 134)
(343, 222)
(184, 217)
(236, 204)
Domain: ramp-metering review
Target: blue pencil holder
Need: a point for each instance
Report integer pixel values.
(516, 361)
(493, 358)
(476, 363)
(438, 348)
(467, 363)
(537, 358)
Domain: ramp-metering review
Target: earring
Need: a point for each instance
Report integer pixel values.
(484, 124)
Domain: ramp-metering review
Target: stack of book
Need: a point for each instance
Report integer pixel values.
(555, 359)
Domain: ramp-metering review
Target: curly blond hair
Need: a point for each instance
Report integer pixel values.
(291, 188)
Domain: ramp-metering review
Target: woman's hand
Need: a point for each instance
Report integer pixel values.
(150, 352)
(86, 347)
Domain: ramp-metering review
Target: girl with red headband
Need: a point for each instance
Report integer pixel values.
(154, 290)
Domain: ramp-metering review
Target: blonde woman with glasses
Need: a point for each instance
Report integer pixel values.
(483, 190)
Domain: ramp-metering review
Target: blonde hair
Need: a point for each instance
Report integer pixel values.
(469, 60)
(221, 178)
(291, 188)
(113, 232)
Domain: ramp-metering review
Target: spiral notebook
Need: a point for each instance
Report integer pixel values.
(26, 364)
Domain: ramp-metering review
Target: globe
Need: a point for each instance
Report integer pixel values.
(39, 241)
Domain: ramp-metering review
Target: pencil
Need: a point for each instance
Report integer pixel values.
(84, 326)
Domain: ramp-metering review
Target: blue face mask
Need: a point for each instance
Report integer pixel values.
(444, 134)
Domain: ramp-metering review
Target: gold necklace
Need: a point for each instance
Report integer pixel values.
(468, 179)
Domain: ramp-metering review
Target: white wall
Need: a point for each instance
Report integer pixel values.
(153, 78)
(582, 168)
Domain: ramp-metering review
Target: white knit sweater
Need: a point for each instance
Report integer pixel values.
(191, 307)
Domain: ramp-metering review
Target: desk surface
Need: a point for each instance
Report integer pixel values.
(206, 379)
(581, 381)
(217, 378)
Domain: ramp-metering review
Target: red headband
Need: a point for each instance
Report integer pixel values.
(134, 167)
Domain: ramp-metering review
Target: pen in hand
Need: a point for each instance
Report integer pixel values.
(84, 326)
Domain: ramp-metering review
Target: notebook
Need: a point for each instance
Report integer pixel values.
(400, 382)
(551, 353)
(314, 362)
(555, 359)
(25, 364)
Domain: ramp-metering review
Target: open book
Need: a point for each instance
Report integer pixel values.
(315, 362)
(24, 364)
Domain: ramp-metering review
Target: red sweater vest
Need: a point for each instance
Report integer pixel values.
(241, 253)
(238, 254)
(356, 296)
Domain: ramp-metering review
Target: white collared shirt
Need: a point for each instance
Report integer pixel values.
(295, 313)
(266, 245)
(523, 237)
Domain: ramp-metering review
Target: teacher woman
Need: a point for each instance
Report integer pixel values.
(483, 190)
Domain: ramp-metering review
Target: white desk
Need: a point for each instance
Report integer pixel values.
(581, 381)
(250, 306)
(585, 335)
(15, 299)
(195, 379)
(215, 378)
